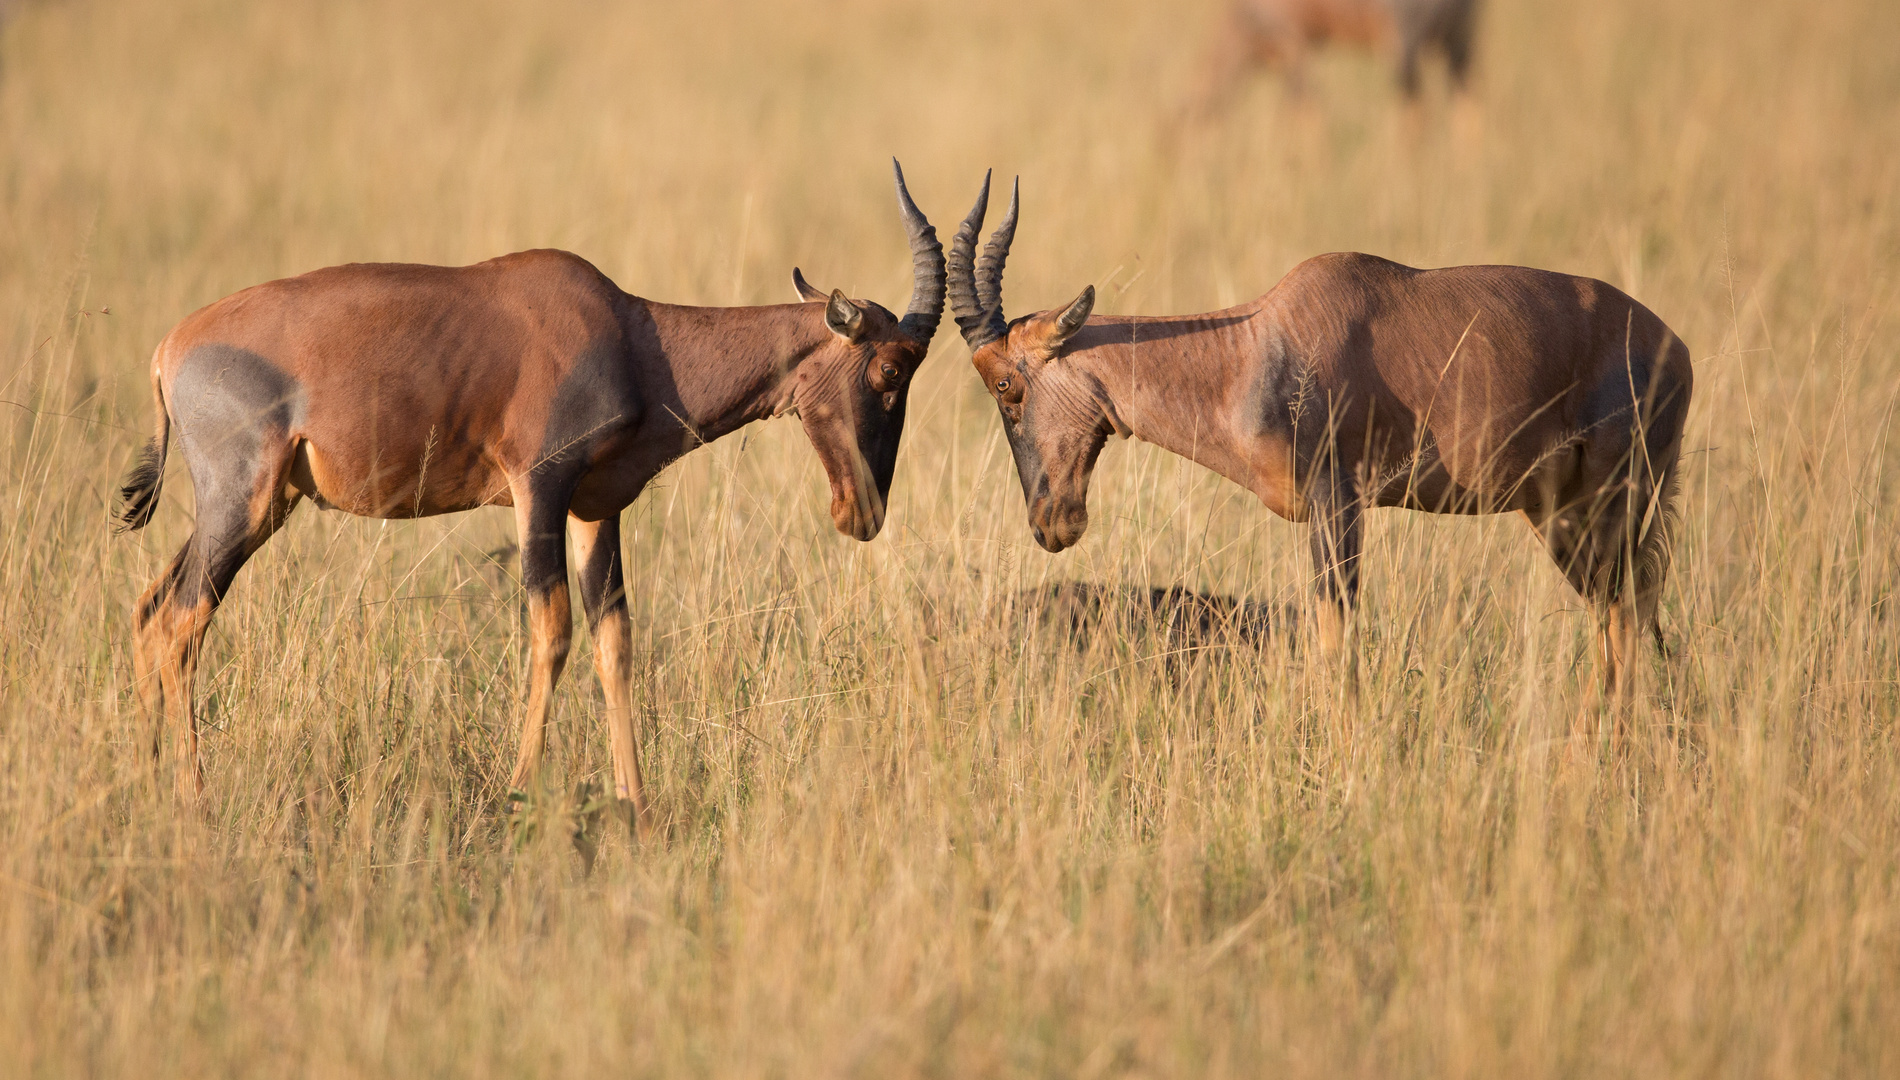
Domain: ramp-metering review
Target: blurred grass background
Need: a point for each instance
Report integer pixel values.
(912, 830)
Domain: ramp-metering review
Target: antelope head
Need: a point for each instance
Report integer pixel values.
(1055, 414)
(850, 393)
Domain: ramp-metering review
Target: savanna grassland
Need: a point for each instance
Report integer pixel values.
(909, 828)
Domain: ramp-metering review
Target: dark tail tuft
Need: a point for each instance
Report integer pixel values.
(138, 498)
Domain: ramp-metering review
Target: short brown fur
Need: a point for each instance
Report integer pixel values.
(531, 381)
(1357, 382)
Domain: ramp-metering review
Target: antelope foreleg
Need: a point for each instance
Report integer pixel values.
(604, 599)
(550, 627)
(1336, 542)
(613, 662)
(550, 631)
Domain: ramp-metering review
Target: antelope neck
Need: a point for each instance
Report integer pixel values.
(731, 366)
(1176, 382)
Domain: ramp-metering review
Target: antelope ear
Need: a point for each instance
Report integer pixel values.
(1054, 329)
(1072, 319)
(806, 291)
(844, 318)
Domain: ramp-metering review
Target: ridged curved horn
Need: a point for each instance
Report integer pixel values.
(971, 315)
(927, 266)
(989, 269)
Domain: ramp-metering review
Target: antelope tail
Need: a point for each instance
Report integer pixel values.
(1654, 542)
(138, 497)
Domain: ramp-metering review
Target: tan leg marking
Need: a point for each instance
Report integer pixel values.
(551, 627)
(1330, 629)
(181, 660)
(603, 595)
(613, 662)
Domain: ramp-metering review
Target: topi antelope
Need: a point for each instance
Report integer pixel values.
(1280, 33)
(531, 381)
(1356, 382)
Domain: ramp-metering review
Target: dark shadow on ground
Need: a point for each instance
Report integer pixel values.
(1180, 620)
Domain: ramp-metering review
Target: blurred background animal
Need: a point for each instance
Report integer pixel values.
(1257, 35)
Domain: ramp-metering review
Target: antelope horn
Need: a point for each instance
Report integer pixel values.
(989, 269)
(926, 260)
(966, 296)
(963, 302)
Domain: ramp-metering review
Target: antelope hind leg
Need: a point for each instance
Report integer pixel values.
(173, 627)
(150, 619)
(1589, 546)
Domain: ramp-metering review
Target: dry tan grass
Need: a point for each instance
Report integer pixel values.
(913, 830)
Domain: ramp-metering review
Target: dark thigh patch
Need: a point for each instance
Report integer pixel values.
(234, 410)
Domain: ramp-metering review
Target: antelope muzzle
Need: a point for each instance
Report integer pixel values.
(861, 485)
(1058, 523)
